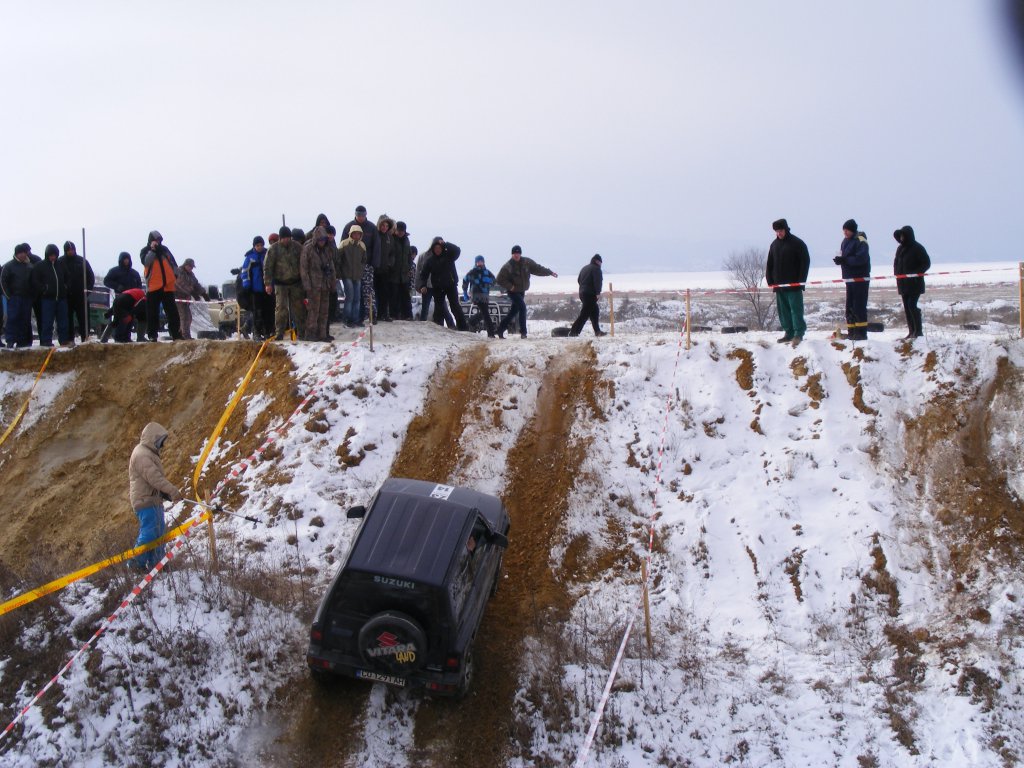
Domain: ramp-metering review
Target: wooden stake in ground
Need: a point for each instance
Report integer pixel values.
(611, 307)
(647, 610)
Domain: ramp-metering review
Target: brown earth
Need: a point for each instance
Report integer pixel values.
(65, 498)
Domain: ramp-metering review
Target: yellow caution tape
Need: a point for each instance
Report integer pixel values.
(24, 407)
(224, 420)
(63, 581)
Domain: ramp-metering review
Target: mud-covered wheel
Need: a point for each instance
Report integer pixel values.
(393, 642)
(467, 675)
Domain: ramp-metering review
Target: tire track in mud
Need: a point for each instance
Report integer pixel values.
(543, 466)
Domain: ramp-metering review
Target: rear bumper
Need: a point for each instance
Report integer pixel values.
(443, 683)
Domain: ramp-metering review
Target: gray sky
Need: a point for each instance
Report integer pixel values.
(661, 134)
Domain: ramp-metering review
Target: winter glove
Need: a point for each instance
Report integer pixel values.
(838, 260)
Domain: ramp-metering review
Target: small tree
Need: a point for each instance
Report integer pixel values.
(745, 270)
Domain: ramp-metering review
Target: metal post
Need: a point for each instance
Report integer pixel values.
(687, 318)
(85, 287)
(611, 307)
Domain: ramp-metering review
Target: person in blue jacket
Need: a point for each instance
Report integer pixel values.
(252, 281)
(855, 260)
(481, 279)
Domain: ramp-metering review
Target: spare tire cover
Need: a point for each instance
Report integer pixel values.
(394, 642)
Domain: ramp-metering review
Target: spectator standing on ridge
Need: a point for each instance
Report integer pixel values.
(16, 282)
(316, 268)
(50, 288)
(122, 277)
(591, 280)
(479, 279)
(80, 280)
(788, 262)
(911, 259)
(855, 260)
(186, 290)
(37, 307)
(148, 486)
(383, 282)
(514, 277)
(283, 281)
(159, 270)
(372, 245)
(349, 266)
(255, 283)
(400, 307)
(439, 267)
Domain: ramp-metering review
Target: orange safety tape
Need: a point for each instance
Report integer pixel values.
(201, 464)
(24, 407)
(32, 595)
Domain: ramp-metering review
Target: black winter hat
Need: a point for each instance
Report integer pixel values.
(298, 234)
(516, 249)
(51, 249)
(850, 225)
(597, 259)
(258, 240)
(284, 232)
(361, 209)
(21, 248)
(780, 224)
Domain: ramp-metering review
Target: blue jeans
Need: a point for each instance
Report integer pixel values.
(151, 528)
(54, 309)
(19, 321)
(353, 311)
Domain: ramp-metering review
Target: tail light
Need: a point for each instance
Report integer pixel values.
(453, 662)
(316, 635)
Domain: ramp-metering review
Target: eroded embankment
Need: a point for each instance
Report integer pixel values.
(65, 498)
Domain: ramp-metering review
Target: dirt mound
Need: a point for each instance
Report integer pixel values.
(65, 499)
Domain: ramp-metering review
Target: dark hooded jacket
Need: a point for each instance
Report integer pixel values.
(16, 278)
(591, 278)
(316, 265)
(854, 256)
(122, 277)
(440, 268)
(788, 262)
(50, 280)
(77, 282)
(911, 258)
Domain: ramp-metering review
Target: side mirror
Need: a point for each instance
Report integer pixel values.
(498, 539)
(356, 512)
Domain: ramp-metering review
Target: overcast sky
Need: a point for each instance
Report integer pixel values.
(663, 135)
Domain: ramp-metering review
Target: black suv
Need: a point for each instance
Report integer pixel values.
(406, 604)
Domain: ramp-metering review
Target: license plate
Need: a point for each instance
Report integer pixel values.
(365, 674)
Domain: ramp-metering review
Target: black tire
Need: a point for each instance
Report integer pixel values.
(393, 642)
(322, 677)
(467, 675)
(735, 329)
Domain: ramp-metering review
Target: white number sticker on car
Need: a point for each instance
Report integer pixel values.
(365, 674)
(441, 491)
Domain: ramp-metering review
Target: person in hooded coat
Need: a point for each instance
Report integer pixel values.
(148, 486)
(122, 277)
(439, 269)
(316, 269)
(159, 271)
(591, 280)
(911, 259)
(80, 279)
(50, 287)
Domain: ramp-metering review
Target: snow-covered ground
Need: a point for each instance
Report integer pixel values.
(803, 607)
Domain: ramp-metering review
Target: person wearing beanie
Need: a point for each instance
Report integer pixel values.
(514, 277)
(80, 280)
(350, 264)
(591, 281)
(911, 260)
(786, 273)
(439, 272)
(50, 288)
(480, 278)
(316, 269)
(855, 260)
(273, 238)
(282, 283)
(16, 283)
(159, 268)
(254, 283)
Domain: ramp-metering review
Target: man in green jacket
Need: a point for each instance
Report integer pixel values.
(514, 277)
(283, 281)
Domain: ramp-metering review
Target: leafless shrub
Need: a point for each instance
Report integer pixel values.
(746, 273)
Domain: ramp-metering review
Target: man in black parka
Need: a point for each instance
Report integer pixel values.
(590, 280)
(911, 259)
(786, 272)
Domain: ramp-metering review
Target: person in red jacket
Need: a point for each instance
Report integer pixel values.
(128, 310)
